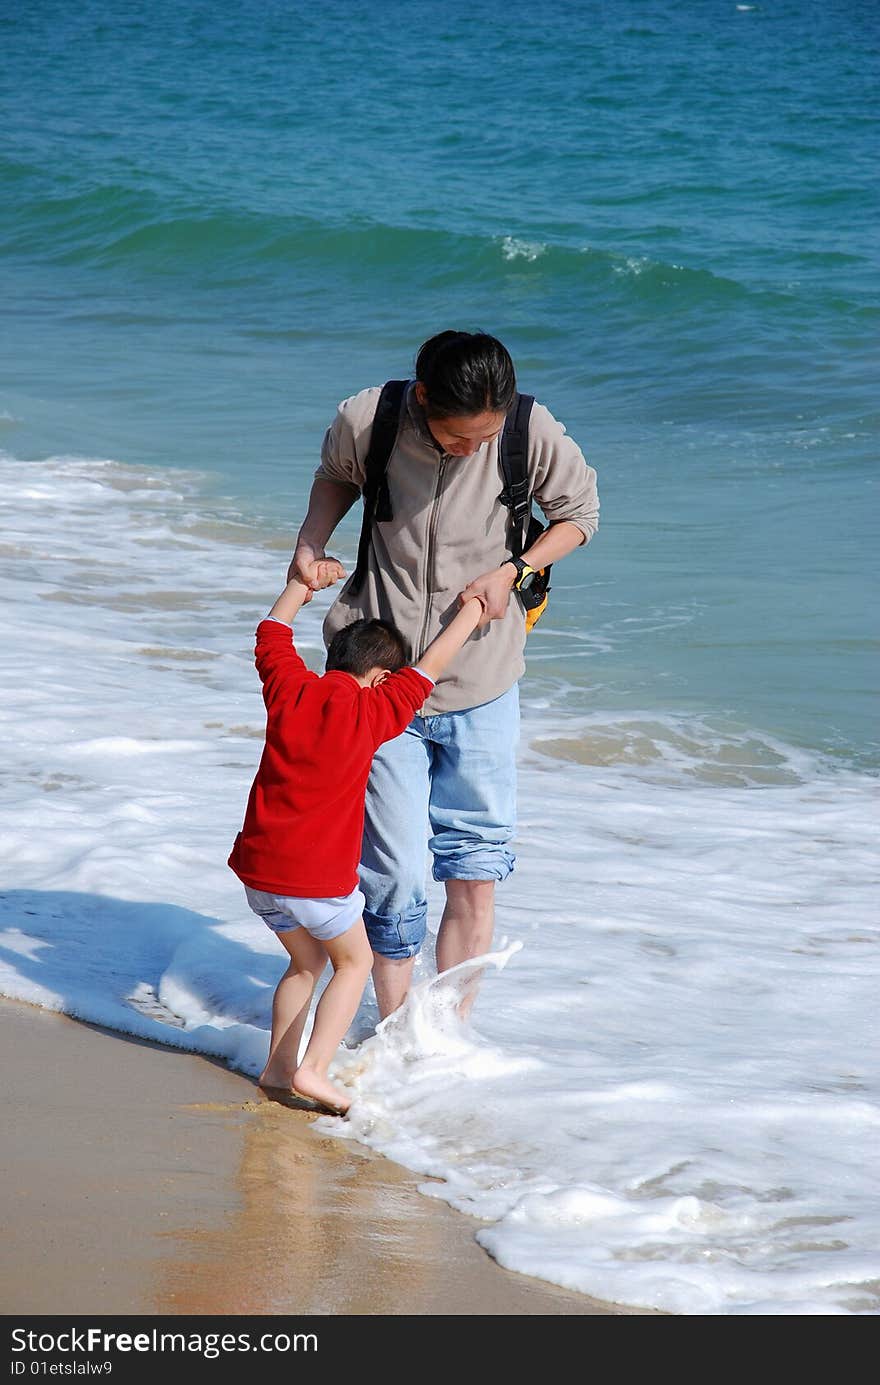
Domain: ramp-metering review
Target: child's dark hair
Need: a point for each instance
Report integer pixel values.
(464, 374)
(367, 644)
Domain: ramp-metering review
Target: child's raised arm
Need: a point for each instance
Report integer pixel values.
(449, 641)
(296, 593)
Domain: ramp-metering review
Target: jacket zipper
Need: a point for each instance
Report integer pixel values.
(432, 535)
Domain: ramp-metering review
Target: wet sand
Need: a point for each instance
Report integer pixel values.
(141, 1180)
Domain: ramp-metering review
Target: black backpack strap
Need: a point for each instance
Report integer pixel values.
(514, 457)
(377, 501)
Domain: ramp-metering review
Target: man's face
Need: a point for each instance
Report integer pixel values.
(462, 436)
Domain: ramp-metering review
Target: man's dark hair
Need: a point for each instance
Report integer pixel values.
(465, 373)
(367, 644)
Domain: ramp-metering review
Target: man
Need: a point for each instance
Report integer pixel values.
(451, 776)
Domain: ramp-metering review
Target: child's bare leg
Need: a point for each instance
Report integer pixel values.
(290, 1006)
(352, 958)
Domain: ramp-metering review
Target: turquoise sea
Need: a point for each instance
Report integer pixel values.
(217, 221)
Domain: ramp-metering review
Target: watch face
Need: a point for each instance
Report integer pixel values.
(527, 581)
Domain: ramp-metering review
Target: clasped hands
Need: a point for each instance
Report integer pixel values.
(492, 589)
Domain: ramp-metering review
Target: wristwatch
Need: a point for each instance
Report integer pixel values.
(525, 575)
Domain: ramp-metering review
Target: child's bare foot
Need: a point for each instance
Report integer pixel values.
(280, 1081)
(307, 1082)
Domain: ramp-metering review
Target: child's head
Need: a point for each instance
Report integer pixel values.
(368, 650)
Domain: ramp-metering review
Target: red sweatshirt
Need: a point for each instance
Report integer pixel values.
(305, 814)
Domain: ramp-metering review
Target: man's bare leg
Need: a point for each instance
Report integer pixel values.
(391, 978)
(466, 929)
(468, 922)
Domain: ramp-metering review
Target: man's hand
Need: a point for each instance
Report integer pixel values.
(314, 569)
(493, 591)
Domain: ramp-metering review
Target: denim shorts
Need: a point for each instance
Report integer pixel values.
(448, 784)
(324, 919)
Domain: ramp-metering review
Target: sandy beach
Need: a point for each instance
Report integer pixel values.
(141, 1180)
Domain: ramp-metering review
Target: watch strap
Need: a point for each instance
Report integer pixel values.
(523, 570)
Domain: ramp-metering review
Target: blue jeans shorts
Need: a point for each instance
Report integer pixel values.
(448, 783)
(325, 919)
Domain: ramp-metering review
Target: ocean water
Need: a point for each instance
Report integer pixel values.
(218, 223)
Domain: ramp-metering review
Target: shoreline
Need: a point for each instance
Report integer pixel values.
(143, 1180)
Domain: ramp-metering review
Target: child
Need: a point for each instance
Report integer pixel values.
(299, 849)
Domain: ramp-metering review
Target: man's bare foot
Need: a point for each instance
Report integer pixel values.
(307, 1082)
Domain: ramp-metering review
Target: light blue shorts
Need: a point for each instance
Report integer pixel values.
(324, 919)
(448, 784)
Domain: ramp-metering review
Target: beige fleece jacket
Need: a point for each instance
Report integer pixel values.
(449, 526)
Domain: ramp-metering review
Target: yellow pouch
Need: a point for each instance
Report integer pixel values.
(539, 599)
(534, 615)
